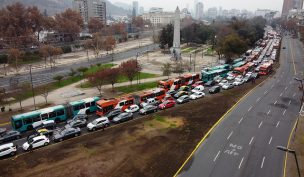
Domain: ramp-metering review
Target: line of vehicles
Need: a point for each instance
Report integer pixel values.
(53, 124)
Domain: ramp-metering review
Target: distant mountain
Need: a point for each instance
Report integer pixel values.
(56, 6)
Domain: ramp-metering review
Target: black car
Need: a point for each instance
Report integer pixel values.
(210, 83)
(77, 123)
(79, 117)
(148, 109)
(9, 136)
(110, 115)
(123, 117)
(180, 93)
(172, 92)
(214, 89)
(66, 133)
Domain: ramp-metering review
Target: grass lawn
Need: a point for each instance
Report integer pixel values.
(136, 88)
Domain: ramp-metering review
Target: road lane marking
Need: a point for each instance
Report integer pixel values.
(289, 102)
(262, 164)
(281, 94)
(277, 124)
(260, 124)
(216, 156)
(268, 112)
(250, 108)
(241, 120)
(229, 135)
(284, 112)
(278, 80)
(270, 140)
(241, 163)
(272, 86)
(292, 57)
(294, 95)
(251, 140)
(275, 102)
(290, 82)
(286, 88)
(265, 92)
(258, 99)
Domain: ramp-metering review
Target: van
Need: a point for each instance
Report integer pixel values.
(8, 149)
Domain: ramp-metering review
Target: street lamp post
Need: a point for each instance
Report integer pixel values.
(33, 92)
(137, 67)
(285, 149)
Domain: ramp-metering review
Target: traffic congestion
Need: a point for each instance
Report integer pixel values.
(50, 125)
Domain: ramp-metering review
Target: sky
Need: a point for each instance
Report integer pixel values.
(170, 5)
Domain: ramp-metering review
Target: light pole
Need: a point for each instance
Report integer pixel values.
(33, 93)
(285, 149)
(137, 68)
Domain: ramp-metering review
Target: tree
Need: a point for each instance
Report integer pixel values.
(166, 36)
(112, 76)
(44, 52)
(44, 90)
(178, 67)
(95, 25)
(109, 43)
(20, 90)
(15, 57)
(72, 72)
(87, 46)
(130, 69)
(167, 69)
(97, 43)
(3, 98)
(82, 70)
(98, 80)
(58, 78)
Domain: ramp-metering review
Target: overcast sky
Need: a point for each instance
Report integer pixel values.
(170, 5)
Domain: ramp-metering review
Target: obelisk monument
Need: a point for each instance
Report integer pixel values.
(175, 50)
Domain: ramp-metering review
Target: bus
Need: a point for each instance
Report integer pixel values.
(189, 79)
(106, 105)
(237, 60)
(265, 69)
(165, 84)
(89, 104)
(239, 64)
(23, 122)
(210, 75)
(243, 69)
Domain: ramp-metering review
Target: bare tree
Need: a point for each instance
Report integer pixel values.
(97, 43)
(167, 69)
(58, 78)
(15, 57)
(44, 92)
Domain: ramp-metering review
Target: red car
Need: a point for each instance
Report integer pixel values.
(197, 84)
(167, 104)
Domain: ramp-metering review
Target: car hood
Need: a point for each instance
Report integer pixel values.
(90, 125)
(25, 145)
(116, 119)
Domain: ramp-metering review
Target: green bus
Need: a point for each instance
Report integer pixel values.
(239, 64)
(23, 122)
(210, 75)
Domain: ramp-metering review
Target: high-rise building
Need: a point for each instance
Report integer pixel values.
(135, 8)
(91, 9)
(289, 5)
(199, 11)
(212, 13)
(141, 10)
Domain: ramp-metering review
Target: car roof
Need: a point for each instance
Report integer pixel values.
(48, 122)
(6, 145)
(39, 137)
(101, 118)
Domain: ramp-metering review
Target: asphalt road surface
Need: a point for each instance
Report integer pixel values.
(46, 76)
(244, 143)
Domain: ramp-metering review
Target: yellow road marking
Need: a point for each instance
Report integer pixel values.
(6, 123)
(214, 126)
(292, 57)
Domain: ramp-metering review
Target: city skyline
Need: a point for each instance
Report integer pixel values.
(232, 4)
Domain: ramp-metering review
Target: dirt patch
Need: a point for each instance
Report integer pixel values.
(152, 146)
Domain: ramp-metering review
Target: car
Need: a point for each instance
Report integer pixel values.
(148, 109)
(255, 76)
(167, 104)
(46, 132)
(227, 86)
(197, 95)
(214, 89)
(77, 123)
(197, 84)
(10, 136)
(171, 92)
(110, 115)
(230, 77)
(210, 83)
(167, 98)
(2, 131)
(122, 117)
(184, 88)
(257, 69)
(49, 124)
(248, 74)
(218, 79)
(149, 101)
(36, 142)
(239, 77)
(222, 83)
(181, 93)
(284, 47)
(198, 88)
(133, 108)
(66, 133)
(98, 123)
(238, 82)
(246, 79)
(79, 116)
(8, 149)
(183, 99)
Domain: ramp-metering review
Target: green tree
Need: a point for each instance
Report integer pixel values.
(166, 36)
(82, 70)
(58, 78)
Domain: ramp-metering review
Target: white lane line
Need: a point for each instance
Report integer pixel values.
(260, 124)
(241, 163)
(216, 156)
(290, 83)
(258, 99)
(241, 120)
(262, 164)
(284, 112)
(278, 80)
(294, 95)
(250, 108)
(277, 124)
(281, 94)
(289, 102)
(270, 140)
(268, 112)
(275, 102)
(265, 92)
(272, 86)
(229, 135)
(251, 140)
(286, 88)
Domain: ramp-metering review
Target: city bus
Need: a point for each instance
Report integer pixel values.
(165, 84)
(189, 79)
(239, 64)
(265, 69)
(23, 122)
(243, 69)
(89, 104)
(210, 75)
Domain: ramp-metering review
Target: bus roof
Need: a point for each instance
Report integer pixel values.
(38, 112)
(237, 60)
(214, 71)
(241, 63)
(86, 100)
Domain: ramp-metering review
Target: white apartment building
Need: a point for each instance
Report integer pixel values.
(91, 9)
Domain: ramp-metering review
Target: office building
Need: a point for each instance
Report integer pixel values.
(289, 5)
(199, 10)
(135, 8)
(91, 9)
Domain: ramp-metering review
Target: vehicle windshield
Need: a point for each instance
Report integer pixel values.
(31, 140)
(94, 122)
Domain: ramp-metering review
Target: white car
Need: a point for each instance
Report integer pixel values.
(132, 108)
(223, 82)
(230, 77)
(8, 149)
(238, 82)
(197, 95)
(36, 142)
(227, 86)
(198, 88)
(239, 77)
(149, 101)
(218, 79)
(101, 122)
(248, 74)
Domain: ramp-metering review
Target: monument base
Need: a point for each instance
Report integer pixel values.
(176, 53)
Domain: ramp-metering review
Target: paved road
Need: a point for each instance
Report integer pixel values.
(46, 76)
(244, 143)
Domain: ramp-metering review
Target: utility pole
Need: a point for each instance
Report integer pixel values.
(33, 92)
(285, 149)
(194, 62)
